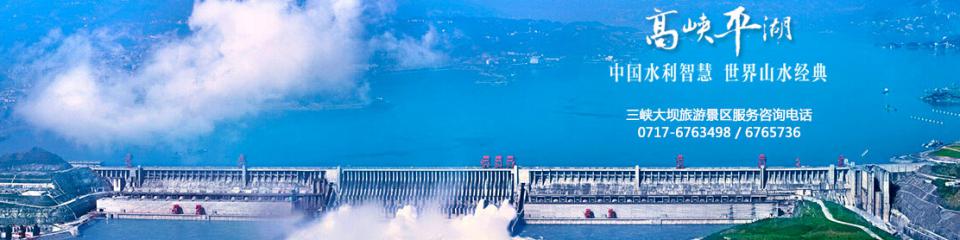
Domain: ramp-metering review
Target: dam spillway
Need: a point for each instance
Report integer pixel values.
(455, 191)
(542, 195)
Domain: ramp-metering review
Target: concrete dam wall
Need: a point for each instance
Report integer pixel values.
(669, 196)
(630, 195)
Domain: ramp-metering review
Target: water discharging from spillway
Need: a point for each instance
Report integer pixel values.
(489, 221)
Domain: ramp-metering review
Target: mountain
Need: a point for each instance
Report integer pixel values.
(35, 160)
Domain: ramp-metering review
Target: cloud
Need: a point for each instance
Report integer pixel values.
(410, 53)
(239, 57)
(367, 222)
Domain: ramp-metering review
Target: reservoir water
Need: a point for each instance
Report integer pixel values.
(560, 113)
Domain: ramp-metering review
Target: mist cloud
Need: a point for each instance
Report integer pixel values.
(367, 222)
(411, 53)
(239, 56)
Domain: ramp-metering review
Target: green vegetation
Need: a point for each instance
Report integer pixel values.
(952, 151)
(950, 196)
(809, 223)
(30, 171)
(35, 160)
(946, 170)
(843, 214)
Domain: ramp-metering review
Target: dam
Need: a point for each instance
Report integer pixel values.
(541, 195)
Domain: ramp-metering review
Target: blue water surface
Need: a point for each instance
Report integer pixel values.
(167, 229)
(564, 113)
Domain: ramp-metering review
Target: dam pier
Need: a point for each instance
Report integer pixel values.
(541, 195)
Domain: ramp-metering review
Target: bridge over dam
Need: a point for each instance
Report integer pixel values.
(541, 195)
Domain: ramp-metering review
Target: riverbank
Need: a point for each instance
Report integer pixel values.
(809, 222)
